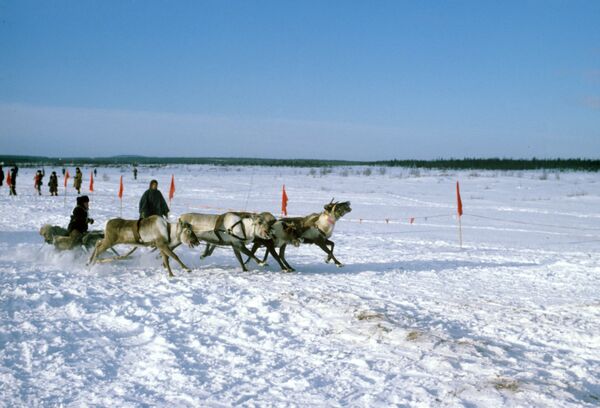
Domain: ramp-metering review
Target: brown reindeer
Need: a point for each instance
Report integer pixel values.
(153, 231)
(317, 228)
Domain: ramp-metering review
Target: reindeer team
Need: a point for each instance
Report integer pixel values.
(232, 229)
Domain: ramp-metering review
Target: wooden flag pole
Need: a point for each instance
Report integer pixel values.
(460, 230)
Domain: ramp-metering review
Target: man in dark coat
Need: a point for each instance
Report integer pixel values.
(153, 202)
(1, 176)
(78, 225)
(53, 184)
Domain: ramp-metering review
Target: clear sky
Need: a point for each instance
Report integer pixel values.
(301, 79)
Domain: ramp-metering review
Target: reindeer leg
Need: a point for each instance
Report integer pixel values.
(164, 248)
(255, 246)
(245, 251)
(101, 246)
(165, 263)
(282, 257)
(239, 258)
(323, 246)
(271, 249)
(328, 242)
(208, 250)
(127, 254)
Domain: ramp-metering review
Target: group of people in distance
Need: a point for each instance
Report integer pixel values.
(38, 180)
(152, 202)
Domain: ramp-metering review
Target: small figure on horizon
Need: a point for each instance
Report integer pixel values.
(53, 184)
(63, 171)
(13, 180)
(77, 180)
(39, 177)
(95, 172)
(135, 173)
(78, 225)
(153, 202)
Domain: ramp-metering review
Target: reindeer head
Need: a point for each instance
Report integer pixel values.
(262, 226)
(337, 209)
(186, 234)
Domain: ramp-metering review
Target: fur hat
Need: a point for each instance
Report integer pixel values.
(83, 199)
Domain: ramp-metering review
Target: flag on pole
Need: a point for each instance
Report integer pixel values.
(284, 201)
(172, 189)
(121, 189)
(458, 200)
(92, 182)
(66, 178)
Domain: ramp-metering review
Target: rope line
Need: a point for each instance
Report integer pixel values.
(532, 223)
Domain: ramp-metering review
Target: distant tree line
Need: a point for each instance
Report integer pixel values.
(466, 163)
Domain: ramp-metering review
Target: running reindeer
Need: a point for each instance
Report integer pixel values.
(316, 229)
(281, 233)
(153, 231)
(234, 229)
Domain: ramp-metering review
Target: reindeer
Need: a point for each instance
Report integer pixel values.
(281, 233)
(235, 229)
(153, 231)
(317, 228)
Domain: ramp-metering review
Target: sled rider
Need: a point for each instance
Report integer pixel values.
(78, 225)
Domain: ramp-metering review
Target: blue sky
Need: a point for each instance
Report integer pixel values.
(301, 79)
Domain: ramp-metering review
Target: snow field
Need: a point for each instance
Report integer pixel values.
(512, 319)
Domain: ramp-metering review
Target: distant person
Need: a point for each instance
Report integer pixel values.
(1, 176)
(77, 180)
(53, 184)
(63, 171)
(78, 225)
(153, 202)
(13, 180)
(135, 173)
(95, 172)
(39, 181)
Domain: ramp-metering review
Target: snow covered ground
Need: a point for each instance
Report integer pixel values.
(511, 319)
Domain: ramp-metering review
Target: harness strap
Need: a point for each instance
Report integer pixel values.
(136, 231)
(230, 232)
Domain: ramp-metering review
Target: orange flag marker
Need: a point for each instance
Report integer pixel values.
(284, 201)
(172, 189)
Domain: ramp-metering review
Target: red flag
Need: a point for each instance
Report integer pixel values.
(121, 188)
(92, 182)
(66, 178)
(284, 201)
(8, 180)
(458, 200)
(172, 189)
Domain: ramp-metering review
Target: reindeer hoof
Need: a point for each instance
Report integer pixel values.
(188, 270)
(339, 265)
(263, 264)
(171, 275)
(327, 259)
